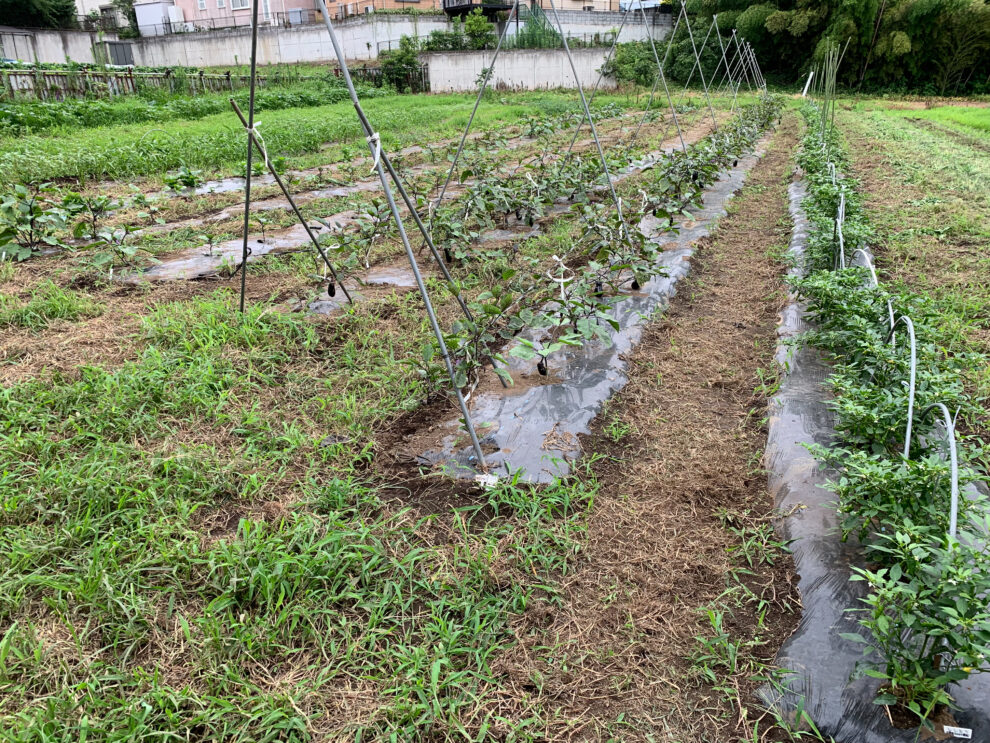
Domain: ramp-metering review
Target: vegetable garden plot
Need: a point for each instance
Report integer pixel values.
(209, 260)
(819, 661)
(918, 608)
(534, 433)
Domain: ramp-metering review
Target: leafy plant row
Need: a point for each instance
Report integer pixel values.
(926, 616)
(21, 118)
(40, 217)
(570, 301)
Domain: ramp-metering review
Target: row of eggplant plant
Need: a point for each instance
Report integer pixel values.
(571, 294)
(925, 618)
(46, 217)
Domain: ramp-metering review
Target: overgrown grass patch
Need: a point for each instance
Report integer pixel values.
(48, 302)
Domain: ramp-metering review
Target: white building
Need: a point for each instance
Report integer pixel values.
(104, 9)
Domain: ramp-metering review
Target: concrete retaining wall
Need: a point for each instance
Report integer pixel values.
(522, 69)
(36, 45)
(362, 38)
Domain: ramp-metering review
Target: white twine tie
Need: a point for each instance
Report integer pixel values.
(563, 280)
(375, 142)
(259, 140)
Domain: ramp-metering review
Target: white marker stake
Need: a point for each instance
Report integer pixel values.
(804, 94)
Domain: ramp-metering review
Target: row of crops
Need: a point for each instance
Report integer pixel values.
(904, 468)
(571, 295)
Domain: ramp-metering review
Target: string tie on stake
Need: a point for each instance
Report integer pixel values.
(258, 140)
(375, 142)
(563, 280)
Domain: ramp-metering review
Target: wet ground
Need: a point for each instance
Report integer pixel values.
(536, 433)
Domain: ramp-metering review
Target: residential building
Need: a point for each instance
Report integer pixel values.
(226, 13)
(102, 13)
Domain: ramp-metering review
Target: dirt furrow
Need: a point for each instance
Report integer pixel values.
(678, 463)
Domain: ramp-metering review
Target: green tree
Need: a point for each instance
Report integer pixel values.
(479, 31)
(38, 13)
(400, 67)
(939, 46)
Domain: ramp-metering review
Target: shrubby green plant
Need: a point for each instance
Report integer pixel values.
(572, 302)
(183, 178)
(926, 612)
(29, 222)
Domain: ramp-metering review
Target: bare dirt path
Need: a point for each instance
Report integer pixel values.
(683, 502)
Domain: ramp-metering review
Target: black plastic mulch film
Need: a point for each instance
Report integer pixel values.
(820, 662)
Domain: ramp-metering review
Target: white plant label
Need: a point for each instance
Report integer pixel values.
(487, 480)
(958, 732)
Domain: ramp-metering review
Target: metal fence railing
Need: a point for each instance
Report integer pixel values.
(56, 85)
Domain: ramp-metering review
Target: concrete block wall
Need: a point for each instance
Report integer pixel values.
(363, 37)
(42, 45)
(521, 69)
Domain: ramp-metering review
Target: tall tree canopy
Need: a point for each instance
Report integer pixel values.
(941, 45)
(38, 13)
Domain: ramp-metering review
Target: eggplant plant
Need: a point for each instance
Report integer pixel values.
(91, 210)
(183, 178)
(453, 234)
(528, 350)
(345, 259)
(372, 225)
(29, 222)
(111, 250)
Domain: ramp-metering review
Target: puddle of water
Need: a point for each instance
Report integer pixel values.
(821, 662)
(200, 262)
(537, 432)
(399, 276)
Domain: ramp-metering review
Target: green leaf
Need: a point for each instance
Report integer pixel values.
(853, 637)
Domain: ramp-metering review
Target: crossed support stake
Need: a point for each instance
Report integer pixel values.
(381, 165)
(745, 62)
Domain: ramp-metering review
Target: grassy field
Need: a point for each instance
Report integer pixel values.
(971, 120)
(212, 528)
(216, 142)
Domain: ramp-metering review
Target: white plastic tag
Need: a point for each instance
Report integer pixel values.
(958, 732)
(487, 480)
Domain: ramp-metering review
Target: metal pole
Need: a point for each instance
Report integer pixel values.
(701, 71)
(735, 77)
(374, 146)
(718, 34)
(756, 66)
(253, 137)
(742, 57)
(591, 123)
(477, 102)
(433, 250)
(250, 150)
(663, 79)
(697, 61)
(727, 76)
(594, 90)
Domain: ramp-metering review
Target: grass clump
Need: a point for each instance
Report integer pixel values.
(48, 303)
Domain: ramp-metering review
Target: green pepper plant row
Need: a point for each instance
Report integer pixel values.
(926, 617)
